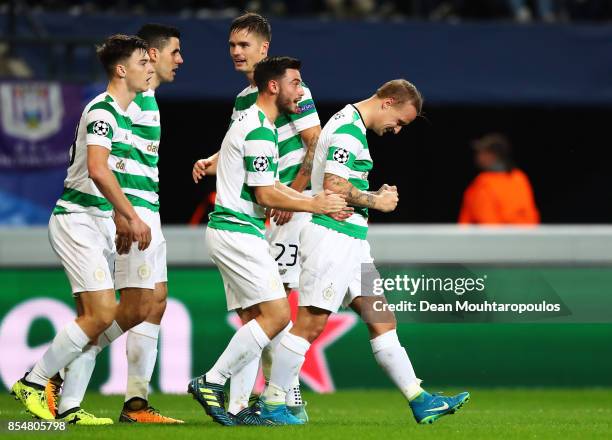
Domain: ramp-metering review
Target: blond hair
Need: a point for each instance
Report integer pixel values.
(401, 91)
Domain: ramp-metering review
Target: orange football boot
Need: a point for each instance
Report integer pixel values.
(139, 411)
(52, 391)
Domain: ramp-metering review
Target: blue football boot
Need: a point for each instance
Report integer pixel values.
(249, 417)
(427, 408)
(212, 398)
(279, 414)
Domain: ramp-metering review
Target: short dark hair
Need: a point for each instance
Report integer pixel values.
(273, 68)
(157, 35)
(401, 91)
(252, 23)
(118, 47)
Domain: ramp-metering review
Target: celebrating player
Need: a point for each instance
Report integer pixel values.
(247, 173)
(334, 252)
(140, 275)
(81, 230)
(298, 133)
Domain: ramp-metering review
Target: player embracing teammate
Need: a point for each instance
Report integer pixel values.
(298, 132)
(333, 252)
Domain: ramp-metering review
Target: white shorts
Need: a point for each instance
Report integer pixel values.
(85, 245)
(144, 269)
(332, 265)
(250, 274)
(285, 244)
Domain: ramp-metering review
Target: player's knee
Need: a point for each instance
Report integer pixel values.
(317, 329)
(277, 313)
(142, 313)
(280, 322)
(247, 314)
(138, 313)
(311, 331)
(380, 328)
(157, 310)
(102, 319)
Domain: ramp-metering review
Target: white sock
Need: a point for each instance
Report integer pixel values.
(66, 346)
(109, 335)
(239, 391)
(288, 359)
(241, 386)
(266, 354)
(76, 378)
(141, 348)
(392, 357)
(245, 345)
(294, 395)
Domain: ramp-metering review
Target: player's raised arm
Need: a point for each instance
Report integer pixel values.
(310, 137)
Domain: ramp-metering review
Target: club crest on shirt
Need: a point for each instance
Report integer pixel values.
(328, 292)
(274, 285)
(99, 274)
(144, 272)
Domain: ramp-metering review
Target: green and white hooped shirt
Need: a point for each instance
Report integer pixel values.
(142, 188)
(291, 149)
(248, 158)
(105, 124)
(343, 150)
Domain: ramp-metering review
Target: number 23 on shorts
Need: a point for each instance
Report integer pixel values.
(289, 252)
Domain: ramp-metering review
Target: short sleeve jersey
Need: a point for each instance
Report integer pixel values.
(105, 124)
(248, 158)
(291, 150)
(343, 150)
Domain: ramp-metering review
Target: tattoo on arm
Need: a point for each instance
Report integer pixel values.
(354, 196)
(306, 168)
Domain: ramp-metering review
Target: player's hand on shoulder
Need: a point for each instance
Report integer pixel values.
(327, 202)
(124, 236)
(141, 233)
(280, 217)
(387, 200)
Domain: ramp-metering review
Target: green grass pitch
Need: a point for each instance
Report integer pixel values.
(366, 414)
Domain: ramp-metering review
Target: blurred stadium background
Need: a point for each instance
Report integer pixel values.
(539, 72)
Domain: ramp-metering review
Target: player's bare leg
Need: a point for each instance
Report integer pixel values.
(289, 356)
(237, 399)
(141, 346)
(244, 347)
(393, 359)
(97, 311)
(129, 312)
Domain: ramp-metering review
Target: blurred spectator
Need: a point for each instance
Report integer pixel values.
(546, 10)
(501, 193)
(436, 10)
